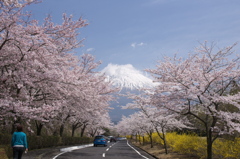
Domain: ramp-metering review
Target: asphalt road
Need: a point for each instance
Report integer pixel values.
(116, 150)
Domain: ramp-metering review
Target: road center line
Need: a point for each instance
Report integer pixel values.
(108, 149)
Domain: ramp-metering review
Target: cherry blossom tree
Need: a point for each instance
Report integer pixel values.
(87, 96)
(133, 124)
(161, 119)
(16, 3)
(41, 79)
(200, 86)
(35, 60)
(96, 95)
(143, 123)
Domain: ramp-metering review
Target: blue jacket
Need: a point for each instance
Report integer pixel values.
(19, 138)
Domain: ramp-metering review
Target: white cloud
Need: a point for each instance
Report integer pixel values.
(90, 49)
(134, 45)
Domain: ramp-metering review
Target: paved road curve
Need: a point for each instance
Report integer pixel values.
(118, 150)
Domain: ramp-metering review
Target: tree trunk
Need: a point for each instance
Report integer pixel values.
(165, 143)
(136, 138)
(143, 140)
(73, 130)
(163, 138)
(93, 132)
(61, 130)
(83, 130)
(139, 139)
(39, 128)
(209, 144)
(150, 137)
(62, 126)
(13, 128)
(55, 132)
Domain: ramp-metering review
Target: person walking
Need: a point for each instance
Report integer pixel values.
(19, 143)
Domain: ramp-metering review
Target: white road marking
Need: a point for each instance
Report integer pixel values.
(136, 151)
(69, 149)
(104, 155)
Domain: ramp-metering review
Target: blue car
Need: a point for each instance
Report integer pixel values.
(100, 140)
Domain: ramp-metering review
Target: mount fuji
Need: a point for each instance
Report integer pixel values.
(128, 79)
(126, 76)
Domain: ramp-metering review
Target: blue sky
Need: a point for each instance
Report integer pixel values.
(140, 32)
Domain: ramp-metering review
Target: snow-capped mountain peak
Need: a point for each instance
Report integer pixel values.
(126, 76)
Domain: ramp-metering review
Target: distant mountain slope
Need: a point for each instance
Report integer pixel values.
(126, 76)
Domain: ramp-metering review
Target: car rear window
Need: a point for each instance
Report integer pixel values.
(98, 137)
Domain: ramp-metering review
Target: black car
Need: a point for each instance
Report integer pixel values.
(113, 139)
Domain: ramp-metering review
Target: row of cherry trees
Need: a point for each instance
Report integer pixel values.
(200, 91)
(42, 82)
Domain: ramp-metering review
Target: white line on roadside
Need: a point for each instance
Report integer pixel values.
(136, 151)
(103, 155)
(69, 149)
